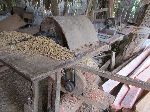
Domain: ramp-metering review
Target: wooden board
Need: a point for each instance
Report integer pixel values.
(30, 66)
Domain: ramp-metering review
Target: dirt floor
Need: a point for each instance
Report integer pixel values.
(12, 96)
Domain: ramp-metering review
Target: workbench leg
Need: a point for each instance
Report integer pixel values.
(58, 87)
(54, 87)
(51, 93)
(36, 96)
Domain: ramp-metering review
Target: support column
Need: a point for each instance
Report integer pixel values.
(36, 96)
(54, 7)
(113, 60)
(54, 86)
(58, 87)
(111, 5)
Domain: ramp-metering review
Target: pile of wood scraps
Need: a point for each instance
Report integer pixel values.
(12, 37)
(31, 45)
(43, 46)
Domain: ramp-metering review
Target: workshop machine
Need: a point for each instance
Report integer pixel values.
(72, 32)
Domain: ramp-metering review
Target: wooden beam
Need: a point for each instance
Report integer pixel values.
(124, 63)
(116, 77)
(105, 66)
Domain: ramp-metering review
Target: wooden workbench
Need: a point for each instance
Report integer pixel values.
(37, 67)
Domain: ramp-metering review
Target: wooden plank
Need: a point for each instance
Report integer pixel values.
(100, 10)
(113, 39)
(125, 63)
(105, 66)
(28, 66)
(116, 77)
(119, 37)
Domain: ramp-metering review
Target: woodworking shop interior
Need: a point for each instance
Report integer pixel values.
(74, 55)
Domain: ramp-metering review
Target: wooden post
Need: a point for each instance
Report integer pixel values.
(36, 96)
(50, 93)
(54, 7)
(116, 77)
(90, 4)
(54, 87)
(113, 60)
(58, 87)
(65, 8)
(111, 5)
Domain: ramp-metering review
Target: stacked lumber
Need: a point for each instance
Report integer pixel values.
(127, 70)
(138, 69)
